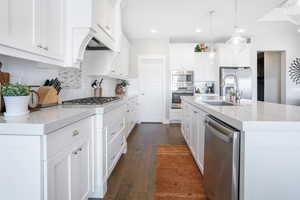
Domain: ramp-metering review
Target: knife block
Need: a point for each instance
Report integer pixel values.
(47, 96)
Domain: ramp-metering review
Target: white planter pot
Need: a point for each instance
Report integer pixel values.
(16, 106)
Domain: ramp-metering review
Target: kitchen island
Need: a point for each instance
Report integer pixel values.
(269, 146)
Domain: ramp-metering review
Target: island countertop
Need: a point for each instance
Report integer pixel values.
(250, 114)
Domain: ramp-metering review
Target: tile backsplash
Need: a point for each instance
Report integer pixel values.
(76, 83)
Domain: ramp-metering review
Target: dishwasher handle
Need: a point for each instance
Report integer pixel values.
(224, 133)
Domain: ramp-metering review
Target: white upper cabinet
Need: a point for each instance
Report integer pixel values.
(18, 27)
(104, 16)
(57, 31)
(32, 29)
(125, 56)
(229, 56)
(205, 67)
(51, 22)
(100, 13)
(182, 56)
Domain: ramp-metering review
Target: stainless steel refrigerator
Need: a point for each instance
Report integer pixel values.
(236, 78)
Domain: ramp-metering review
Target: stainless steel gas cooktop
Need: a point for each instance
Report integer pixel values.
(91, 101)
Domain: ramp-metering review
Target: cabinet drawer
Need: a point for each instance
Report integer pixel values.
(114, 148)
(67, 136)
(114, 115)
(115, 128)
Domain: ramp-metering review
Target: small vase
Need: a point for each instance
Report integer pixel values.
(16, 105)
(119, 90)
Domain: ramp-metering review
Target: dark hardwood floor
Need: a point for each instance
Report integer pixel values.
(134, 176)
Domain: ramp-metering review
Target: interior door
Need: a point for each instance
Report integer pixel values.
(151, 89)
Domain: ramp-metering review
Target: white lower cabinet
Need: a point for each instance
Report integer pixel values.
(109, 145)
(193, 130)
(69, 171)
(73, 162)
(59, 170)
(131, 114)
(80, 173)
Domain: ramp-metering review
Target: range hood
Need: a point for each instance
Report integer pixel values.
(96, 45)
(82, 33)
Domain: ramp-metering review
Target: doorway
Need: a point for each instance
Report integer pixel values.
(271, 76)
(152, 89)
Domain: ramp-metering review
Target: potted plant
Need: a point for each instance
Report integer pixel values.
(16, 99)
(121, 87)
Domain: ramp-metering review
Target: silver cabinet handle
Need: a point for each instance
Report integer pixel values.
(75, 133)
(46, 48)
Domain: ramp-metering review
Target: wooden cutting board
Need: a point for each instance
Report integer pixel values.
(4, 78)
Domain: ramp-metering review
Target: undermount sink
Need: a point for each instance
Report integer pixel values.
(219, 103)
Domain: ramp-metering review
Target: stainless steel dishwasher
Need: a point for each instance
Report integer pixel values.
(221, 160)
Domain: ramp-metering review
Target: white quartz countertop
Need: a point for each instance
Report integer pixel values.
(50, 119)
(252, 114)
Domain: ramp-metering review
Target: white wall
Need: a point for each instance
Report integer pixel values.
(147, 47)
(33, 73)
(272, 74)
(277, 36)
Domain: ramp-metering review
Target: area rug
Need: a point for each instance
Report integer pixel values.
(177, 174)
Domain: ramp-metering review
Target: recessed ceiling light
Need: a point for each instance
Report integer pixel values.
(153, 31)
(198, 30)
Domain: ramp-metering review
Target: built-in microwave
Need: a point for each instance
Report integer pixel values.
(182, 80)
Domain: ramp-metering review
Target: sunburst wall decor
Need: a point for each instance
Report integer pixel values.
(295, 71)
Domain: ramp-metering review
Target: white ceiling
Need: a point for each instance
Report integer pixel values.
(289, 11)
(178, 19)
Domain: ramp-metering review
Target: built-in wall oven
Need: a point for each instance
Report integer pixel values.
(222, 157)
(182, 85)
(176, 98)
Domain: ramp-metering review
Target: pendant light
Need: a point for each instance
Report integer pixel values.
(212, 52)
(237, 39)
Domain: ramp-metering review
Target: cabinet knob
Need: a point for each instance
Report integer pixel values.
(75, 133)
